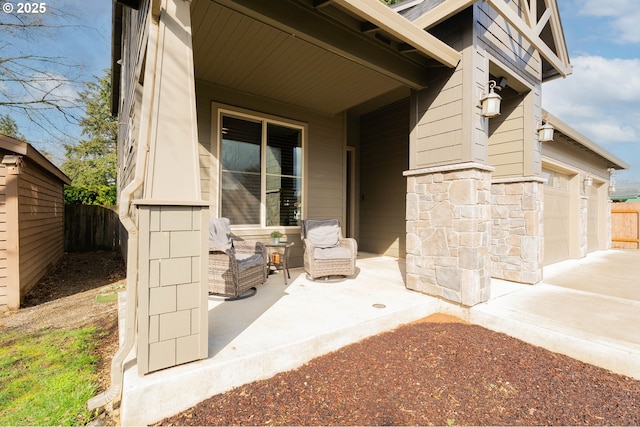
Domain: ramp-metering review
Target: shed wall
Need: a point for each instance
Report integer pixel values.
(41, 224)
(3, 240)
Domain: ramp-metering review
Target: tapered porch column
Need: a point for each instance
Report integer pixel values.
(172, 218)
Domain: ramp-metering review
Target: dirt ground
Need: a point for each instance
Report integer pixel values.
(438, 371)
(78, 292)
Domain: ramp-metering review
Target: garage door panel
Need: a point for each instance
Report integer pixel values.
(556, 225)
(593, 243)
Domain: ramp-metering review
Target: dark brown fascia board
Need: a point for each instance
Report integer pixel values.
(12, 144)
(29, 151)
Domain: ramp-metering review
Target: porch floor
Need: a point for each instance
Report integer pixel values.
(283, 327)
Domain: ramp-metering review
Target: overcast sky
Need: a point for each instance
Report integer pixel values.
(601, 99)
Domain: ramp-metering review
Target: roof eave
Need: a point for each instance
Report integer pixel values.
(567, 130)
(29, 151)
(393, 23)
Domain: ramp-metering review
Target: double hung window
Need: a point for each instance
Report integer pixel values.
(261, 163)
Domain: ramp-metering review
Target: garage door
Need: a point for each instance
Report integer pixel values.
(557, 224)
(593, 243)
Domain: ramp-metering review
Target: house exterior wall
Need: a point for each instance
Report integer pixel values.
(324, 176)
(588, 226)
(384, 155)
(450, 130)
(507, 139)
(130, 100)
(437, 129)
(505, 43)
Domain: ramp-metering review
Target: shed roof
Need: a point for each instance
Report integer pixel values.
(27, 150)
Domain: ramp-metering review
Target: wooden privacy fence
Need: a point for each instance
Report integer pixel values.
(90, 228)
(625, 225)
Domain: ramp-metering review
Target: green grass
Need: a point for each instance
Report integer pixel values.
(47, 378)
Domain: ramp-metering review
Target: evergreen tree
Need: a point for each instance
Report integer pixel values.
(9, 127)
(92, 162)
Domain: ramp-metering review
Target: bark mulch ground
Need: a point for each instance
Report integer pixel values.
(434, 372)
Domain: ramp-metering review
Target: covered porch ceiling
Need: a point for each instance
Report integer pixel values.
(317, 55)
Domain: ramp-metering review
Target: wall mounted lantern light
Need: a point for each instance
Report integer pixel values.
(545, 132)
(490, 102)
(588, 181)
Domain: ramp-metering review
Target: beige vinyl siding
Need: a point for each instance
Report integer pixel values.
(564, 152)
(324, 154)
(506, 139)
(438, 132)
(505, 42)
(438, 135)
(384, 155)
(3, 241)
(41, 213)
(133, 51)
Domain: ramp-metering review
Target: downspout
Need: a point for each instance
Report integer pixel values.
(126, 202)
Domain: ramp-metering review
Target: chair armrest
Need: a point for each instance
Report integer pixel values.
(250, 246)
(349, 243)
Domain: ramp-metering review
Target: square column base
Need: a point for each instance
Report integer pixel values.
(448, 221)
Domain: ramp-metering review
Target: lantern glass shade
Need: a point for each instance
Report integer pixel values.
(491, 104)
(588, 181)
(545, 133)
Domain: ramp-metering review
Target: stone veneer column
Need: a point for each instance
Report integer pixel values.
(448, 232)
(517, 229)
(172, 285)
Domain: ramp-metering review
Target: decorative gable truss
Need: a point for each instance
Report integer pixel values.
(538, 21)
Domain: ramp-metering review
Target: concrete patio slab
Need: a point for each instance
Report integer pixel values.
(282, 327)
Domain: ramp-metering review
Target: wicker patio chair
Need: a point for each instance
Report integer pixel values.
(236, 267)
(326, 252)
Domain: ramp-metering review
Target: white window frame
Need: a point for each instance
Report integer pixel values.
(219, 110)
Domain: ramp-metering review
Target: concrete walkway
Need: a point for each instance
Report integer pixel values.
(588, 309)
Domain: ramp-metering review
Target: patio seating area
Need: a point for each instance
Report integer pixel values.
(278, 329)
(283, 327)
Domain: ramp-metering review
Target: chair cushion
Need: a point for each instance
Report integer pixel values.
(332, 253)
(323, 233)
(247, 260)
(220, 234)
